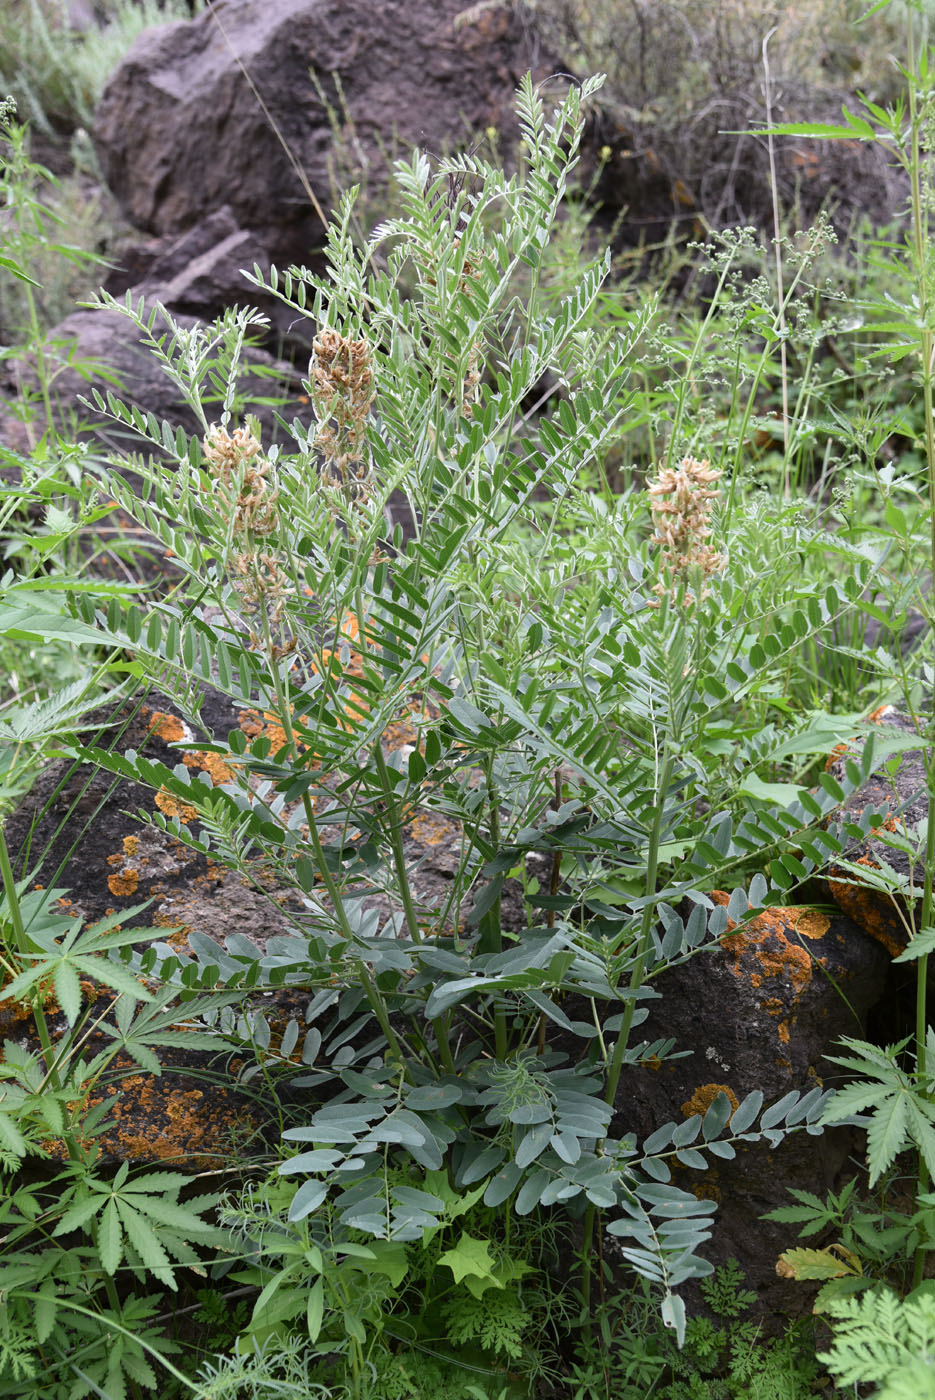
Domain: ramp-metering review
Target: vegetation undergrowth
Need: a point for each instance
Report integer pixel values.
(620, 703)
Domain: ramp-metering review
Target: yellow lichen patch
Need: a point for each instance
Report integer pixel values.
(812, 924)
(761, 949)
(866, 908)
(123, 883)
(213, 763)
(174, 807)
(131, 845)
(704, 1096)
(168, 728)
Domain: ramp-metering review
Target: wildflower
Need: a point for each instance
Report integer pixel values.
(680, 501)
(343, 390)
(250, 502)
(242, 485)
(471, 381)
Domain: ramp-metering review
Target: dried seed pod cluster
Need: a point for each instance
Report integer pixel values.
(343, 390)
(249, 500)
(680, 501)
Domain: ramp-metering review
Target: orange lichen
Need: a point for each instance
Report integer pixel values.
(866, 908)
(704, 1096)
(810, 923)
(431, 829)
(131, 845)
(168, 728)
(123, 883)
(840, 751)
(154, 1122)
(837, 753)
(177, 937)
(174, 807)
(761, 949)
(213, 763)
(269, 727)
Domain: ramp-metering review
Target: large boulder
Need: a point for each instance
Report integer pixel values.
(758, 1009)
(239, 106)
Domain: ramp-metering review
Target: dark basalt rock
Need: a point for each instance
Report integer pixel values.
(757, 1010)
(181, 131)
(901, 799)
(103, 350)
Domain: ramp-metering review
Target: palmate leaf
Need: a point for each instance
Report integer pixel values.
(900, 1113)
(141, 1220)
(146, 1243)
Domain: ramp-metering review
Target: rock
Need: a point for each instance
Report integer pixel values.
(197, 273)
(181, 132)
(759, 1010)
(101, 349)
(902, 792)
(77, 829)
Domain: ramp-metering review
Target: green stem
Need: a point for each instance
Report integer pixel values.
(638, 971)
(394, 827)
(14, 911)
(927, 349)
(921, 1026)
(23, 950)
(637, 976)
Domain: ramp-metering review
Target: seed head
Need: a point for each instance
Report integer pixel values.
(343, 390)
(680, 502)
(242, 484)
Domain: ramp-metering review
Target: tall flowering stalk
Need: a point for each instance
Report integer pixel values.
(680, 501)
(343, 390)
(248, 501)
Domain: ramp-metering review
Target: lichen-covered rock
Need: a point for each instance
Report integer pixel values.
(758, 1010)
(900, 797)
(79, 826)
(181, 129)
